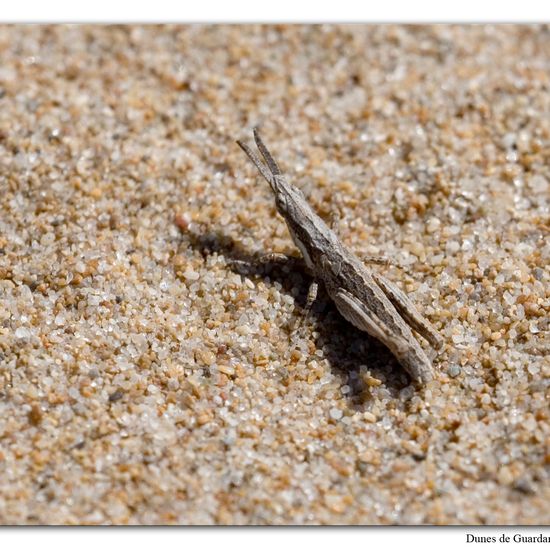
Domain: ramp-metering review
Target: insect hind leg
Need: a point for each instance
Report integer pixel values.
(408, 311)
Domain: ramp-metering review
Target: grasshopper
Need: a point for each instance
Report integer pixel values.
(363, 297)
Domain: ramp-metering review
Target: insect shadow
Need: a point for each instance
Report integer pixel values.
(352, 354)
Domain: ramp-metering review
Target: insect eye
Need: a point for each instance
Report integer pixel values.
(281, 202)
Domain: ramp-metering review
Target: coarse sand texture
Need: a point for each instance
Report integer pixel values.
(156, 367)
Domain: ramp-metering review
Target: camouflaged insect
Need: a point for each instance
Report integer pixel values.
(365, 298)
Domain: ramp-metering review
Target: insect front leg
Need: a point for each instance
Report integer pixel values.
(380, 260)
(310, 300)
(311, 296)
(274, 258)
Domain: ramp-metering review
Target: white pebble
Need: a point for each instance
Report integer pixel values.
(433, 225)
(191, 275)
(520, 312)
(22, 332)
(533, 369)
(452, 247)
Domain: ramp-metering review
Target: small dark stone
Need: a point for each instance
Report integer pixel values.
(362, 466)
(419, 457)
(115, 396)
(524, 486)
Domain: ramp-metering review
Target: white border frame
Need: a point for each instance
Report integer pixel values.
(305, 11)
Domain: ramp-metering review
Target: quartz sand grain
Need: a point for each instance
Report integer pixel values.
(153, 368)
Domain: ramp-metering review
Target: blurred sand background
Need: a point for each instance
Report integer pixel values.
(151, 370)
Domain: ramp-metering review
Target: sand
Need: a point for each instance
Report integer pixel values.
(155, 368)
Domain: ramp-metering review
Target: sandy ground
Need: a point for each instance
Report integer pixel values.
(152, 364)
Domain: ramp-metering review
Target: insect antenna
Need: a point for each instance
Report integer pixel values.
(273, 166)
(256, 161)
